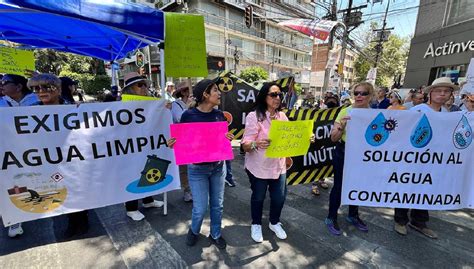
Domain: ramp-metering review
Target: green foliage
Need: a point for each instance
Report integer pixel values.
(254, 73)
(391, 64)
(55, 62)
(91, 84)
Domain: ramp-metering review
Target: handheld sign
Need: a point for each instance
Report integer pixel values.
(201, 142)
(133, 97)
(15, 61)
(289, 138)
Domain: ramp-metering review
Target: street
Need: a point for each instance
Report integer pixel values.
(114, 241)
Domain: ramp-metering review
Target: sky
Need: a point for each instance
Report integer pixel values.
(402, 15)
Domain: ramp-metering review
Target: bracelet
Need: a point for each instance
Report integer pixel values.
(253, 145)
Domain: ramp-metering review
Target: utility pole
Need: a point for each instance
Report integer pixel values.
(350, 19)
(383, 35)
(333, 17)
(236, 59)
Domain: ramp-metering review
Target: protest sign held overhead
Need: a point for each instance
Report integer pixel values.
(16, 61)
(62, 159)
(237, 100)
(201, 142)
(289, 138)
(185, 44)
(409, 160)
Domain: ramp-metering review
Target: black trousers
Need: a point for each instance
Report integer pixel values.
(133, 205)
(418, 217)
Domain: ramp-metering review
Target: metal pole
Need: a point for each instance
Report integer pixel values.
(327, 71)
(343, 45)
(380, 43)
(162, 73)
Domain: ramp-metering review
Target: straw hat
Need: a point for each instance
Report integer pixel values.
(441, 82)
(134, 77)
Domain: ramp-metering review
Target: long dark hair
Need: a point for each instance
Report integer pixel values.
(65, 91)
(19, 80)
(261, 102)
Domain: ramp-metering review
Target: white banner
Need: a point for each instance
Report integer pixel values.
(408, 159)
(62, 159)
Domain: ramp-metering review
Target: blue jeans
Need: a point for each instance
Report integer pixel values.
(207, 185)
(277, 190)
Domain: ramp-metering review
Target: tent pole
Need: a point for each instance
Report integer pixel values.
(162, 72)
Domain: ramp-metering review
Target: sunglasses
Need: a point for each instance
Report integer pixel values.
(357, 93)
(275, 95)
(44, 88)
(140, 84)
(5, 82)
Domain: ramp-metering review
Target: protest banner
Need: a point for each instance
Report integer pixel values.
(317, 162)
(201, 142)
(408, 159)
(468, 88)
(237, 100)
(185, 44)
(289, 138)
(63, 159)
(16, 61)
(134, 97)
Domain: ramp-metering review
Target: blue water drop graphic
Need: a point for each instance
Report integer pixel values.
(376, 134)
(462, 136)
(422, 134)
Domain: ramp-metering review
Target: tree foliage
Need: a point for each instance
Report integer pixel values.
(391, 64)
(254, 73)
(51, 61)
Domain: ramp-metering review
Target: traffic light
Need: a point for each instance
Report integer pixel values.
(248, 16)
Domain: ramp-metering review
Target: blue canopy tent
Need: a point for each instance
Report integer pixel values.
(104, 29)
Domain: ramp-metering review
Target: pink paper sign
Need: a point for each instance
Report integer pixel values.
(201, 142)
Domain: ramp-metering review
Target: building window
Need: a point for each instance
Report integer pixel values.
(459, 11)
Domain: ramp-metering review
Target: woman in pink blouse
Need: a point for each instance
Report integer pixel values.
(265, 173)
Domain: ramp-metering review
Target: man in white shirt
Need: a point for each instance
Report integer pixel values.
(438, 93)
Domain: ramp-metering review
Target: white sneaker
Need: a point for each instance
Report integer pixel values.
(135, 215)
(155, 203)
(256, 233)
(15, 230)
(278, 230)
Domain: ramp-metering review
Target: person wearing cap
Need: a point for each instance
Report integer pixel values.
(468, 100)
(395, 101)
(206, 179)
(438, 93)
(169, 91)
(178, 106)
(381, 101)
(136, 84)
(68, 88)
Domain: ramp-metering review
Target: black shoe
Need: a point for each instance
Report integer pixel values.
(191, 238)
(219, 242)
(230, 182)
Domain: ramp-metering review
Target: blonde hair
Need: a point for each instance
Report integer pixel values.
(366, 85)
(45, 78)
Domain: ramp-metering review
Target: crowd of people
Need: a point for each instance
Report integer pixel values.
(203, 183)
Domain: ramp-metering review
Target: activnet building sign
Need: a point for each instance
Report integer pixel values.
(449, 48)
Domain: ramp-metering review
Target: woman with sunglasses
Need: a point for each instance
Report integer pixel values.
(206, 179)
(265, 173)
(395, 101)
(362, 94)
(15, 91)
(136, 84)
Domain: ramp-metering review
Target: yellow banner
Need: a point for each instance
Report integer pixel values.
(15, 61)
(132, 97)
(289, 138)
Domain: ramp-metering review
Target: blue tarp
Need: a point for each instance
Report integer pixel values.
(105, 29)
